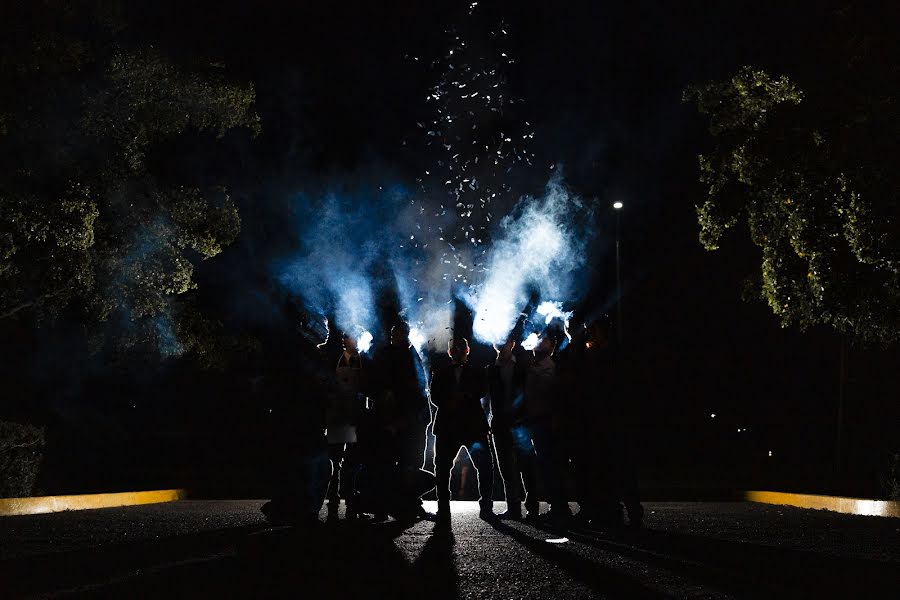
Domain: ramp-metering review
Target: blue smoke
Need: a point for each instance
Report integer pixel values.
(332, 273)
(356, 246)
(540, 249)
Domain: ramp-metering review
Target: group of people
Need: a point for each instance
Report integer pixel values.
(553, 417)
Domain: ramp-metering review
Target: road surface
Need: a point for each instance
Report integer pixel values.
(225, 549)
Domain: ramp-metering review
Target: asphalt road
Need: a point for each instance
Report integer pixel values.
(225, 549)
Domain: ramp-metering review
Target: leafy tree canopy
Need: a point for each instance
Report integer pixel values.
(89, 223)
(813, 175)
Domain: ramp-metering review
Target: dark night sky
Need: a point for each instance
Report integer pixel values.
(602, 83)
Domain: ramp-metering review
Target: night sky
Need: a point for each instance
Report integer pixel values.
(338, 93)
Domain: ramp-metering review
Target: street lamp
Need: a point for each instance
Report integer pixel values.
(617, 205)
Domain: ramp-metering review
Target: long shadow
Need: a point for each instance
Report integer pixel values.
(749, 569)
(435, 568)
(322, 563)
(71, 569)
(334, 562)
(598, 577)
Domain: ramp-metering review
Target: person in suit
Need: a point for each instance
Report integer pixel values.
(512, 440)
(401, 410)
(460, 421)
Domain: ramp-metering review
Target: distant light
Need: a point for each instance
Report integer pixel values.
(617, 205)
(712, 415)
(770, 453)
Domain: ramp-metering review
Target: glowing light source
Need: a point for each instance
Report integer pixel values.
(531, 342)
(364, 342)
(552, 310)
(540, 247)
(712, 416)
(417, 338)
(617, 205)
(770, 453)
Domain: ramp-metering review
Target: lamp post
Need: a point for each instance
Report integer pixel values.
(618, 208)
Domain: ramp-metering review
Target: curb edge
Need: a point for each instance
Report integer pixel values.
(50, 504)
(851, 506)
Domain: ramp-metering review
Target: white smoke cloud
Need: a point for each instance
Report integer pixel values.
(541, 248)
(331, 273)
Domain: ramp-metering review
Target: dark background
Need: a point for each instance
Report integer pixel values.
(602, 82)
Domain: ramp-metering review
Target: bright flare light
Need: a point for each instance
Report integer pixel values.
(364, 342)
(552, 310)
(527, 258)
(540, 248)
(617, 205)
(417, 339)
(530, 342)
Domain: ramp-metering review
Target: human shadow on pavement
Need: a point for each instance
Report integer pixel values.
(746, 568)
(82, 569)
(343, 561)
(328, 562)
(596, 576)
(435, 567)
(347, 561)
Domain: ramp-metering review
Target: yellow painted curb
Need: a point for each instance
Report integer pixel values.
(49, 504)
(851, 506)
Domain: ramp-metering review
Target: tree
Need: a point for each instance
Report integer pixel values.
(91, 221)
(813, 176)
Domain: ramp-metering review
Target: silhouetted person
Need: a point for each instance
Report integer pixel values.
(541, 389)
(460, 421)
(613, 431)
(342, 416)
(401, 409)
(299, 463)
(512, 439)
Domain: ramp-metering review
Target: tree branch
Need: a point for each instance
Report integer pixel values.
(12, 311)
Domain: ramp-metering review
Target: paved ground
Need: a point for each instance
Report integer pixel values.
(225, 549)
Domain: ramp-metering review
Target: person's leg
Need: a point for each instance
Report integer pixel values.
(627, 482)
(607, 510)
(480, 453)
(411, 453)
(509, 467)
(545, 447)
(336, 456)
(445, 449)
(314, 472)
(349, 470)
(526, 461)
